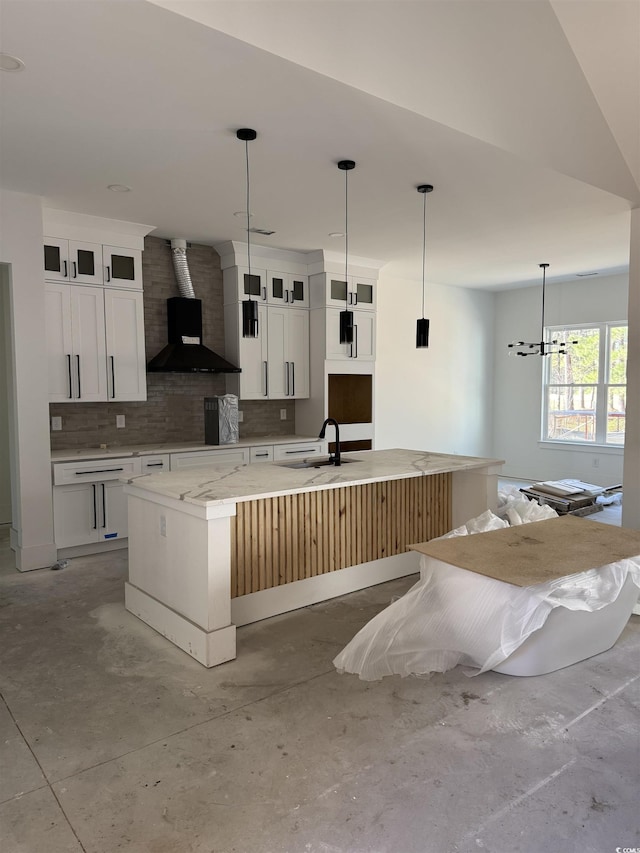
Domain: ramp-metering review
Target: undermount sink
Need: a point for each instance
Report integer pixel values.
(314, 463)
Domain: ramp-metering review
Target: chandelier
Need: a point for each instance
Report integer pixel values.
(541, 347)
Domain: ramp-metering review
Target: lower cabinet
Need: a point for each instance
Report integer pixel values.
(89, 512)
(197, 459)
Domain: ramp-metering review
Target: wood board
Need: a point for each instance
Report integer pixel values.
(535, 553)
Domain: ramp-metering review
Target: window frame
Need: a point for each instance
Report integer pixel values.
(601, 387)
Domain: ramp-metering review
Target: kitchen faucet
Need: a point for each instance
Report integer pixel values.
(335, 459)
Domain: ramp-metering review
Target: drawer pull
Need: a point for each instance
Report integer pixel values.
(260, 454)
(98, 471)
(95, 510)
(305, 450)
(104, 506)
(154, 465)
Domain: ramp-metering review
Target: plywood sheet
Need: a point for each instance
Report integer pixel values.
(535, 553)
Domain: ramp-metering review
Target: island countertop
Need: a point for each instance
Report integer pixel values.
(211, 485)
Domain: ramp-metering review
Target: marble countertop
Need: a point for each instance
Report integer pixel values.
(210, 485)
(86, 453)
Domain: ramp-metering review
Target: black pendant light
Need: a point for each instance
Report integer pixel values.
(554, 347)
(346, 316)
(249, 306)
(422, 327)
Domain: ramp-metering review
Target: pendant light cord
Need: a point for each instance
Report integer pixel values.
(346, 236)
(544, 280)
(424, 244)
(246, 147)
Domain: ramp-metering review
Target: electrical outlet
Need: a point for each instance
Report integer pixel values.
(283, 414)
(56, 424)
(163, 525)
(240, 416)
(595, 462)
(120, 421)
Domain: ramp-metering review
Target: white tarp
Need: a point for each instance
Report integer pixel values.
(452, 616)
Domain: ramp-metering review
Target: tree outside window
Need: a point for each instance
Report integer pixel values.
(585, 390)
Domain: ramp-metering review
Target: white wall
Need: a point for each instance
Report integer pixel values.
(631, 503)
(5, 476)
(518, 381)
(21, 248)
(439, 398)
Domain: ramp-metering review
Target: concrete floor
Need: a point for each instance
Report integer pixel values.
(112, 739)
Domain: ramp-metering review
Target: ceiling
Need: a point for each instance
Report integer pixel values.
(525, 116)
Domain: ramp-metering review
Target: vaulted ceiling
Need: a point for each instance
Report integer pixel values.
(524, 115)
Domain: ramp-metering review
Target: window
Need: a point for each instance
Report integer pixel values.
(585, 391)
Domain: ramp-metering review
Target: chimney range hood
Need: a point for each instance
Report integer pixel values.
(185, 353)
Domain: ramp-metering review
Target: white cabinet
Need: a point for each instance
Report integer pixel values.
(200, 458)
(89, 504)
(95, 344)
(250, 354)
(124, 334)
(283, 452)
(75, 343)
(288, 352)
(79, 262)
(239, 284)
(287, 289)
(364, 336)
(337, 292)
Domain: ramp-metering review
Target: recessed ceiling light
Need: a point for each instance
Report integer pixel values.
(583, 274)
(119, 188)
(336, 234)
(10, 63)
(242, 213)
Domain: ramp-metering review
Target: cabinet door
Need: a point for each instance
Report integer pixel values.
(337, 291)
(254, 381)
(75, 514)
(363, 293)
(59, 346)
(363, 346)
(287, 289)
(122, 267)
(254, 285)
(297, 351)
(124, 326)
(85, 263)
(112, 511)
(279, 371)
(364, 336)
(56, 259)
(88, 368)
(200, 459)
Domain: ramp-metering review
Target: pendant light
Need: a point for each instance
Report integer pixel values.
(554, 347)
(346, 316)
(422, 326)
(249, 306)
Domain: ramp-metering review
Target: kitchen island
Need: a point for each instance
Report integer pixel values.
(216, 547)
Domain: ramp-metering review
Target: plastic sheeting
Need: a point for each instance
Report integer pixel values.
(452, 616)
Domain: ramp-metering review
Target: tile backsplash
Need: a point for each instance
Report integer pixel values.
(174, 409)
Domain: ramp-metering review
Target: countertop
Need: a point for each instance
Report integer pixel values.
(224, 484)
(84, 453)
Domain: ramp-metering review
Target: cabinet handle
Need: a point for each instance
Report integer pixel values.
(305, 450)
(293, 379)
(98, 471)
(95, 509)
(264, 294)
(108, 269)
(286, 374)
(113, 377)
(104, 506)
(260, 454)
(66, 270)
(70, 381)
(355, 338)
(154, 465)
(78, 370)
(75, 269)
(266, 379)
(355, 298)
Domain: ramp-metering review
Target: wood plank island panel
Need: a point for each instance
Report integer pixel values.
(279, 540)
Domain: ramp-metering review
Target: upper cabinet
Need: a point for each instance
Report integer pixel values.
(92, 263)
(334, 291)
(288, 289)
(241, 284)
(94, 308)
